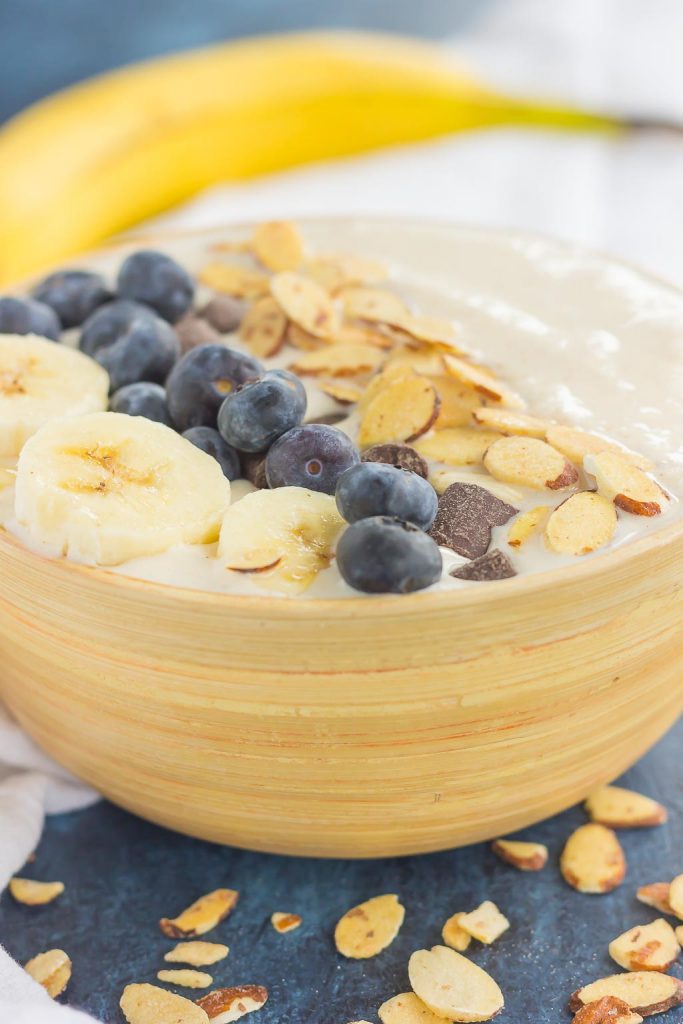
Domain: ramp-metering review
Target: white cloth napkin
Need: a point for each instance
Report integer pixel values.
(620, 194)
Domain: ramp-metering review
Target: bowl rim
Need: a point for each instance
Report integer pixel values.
(370, 605)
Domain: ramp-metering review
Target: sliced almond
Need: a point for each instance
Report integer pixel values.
(627, 486)
(201, 916)
(278, 245)
(622, 808)
(526, 524)
(507, 421)
(679, 934)
(402, 411)
(375, 305)
(198, 954)
(452, 986)
(676, 896)
(524, 856)
(149, 1004)
(457, 446)
(335, 271)
(457, 402)
(583, 523)
(232, 279)
(430, 330)
(345, 393)
(593, 860)
(575, 444)
(455, 936)
(483, 382)
(304, 302)
(363, 334)
(646, 992)
(264, 328)
(648, 947)
(52, 970)
(339, 361)
(406, 1008)
(426, 362)
(304, 340)
(225, 1005)
(656, 895)
(486, 923)
(608, 1010)
(186, 978)
(384, 379)
(35, 894)
(284, 923)
(528, 462)
(365, 930)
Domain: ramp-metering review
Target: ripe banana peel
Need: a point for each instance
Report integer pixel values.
(101, 156)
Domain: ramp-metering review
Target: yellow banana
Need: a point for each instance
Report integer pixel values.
(101, 156)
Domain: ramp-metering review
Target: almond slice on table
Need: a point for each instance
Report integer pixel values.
(402, 411)
(608, 1010)
(198, 954)
(304, 302)
(593, 860)
(583, 523)
(486, 923)
(676, 896)
(232, 279)
(647, 947)
(35, 894)
(339, 361)
(224, 1005)
(283, 923)
(483, 382)
(507, 421)
(278, 245)
(455, 936)
(457, 446)
(627, 486)
(526, 524)
(406, 1008)
(622, 808)
(375, 305)
(335, 271)
(186, 978)
(346, 393)
(575, 444)
(646, 992)
(149, 1004)
(457, 402)
(203, 915)
(522, 855)
(51, 969)
(528, 462)
(264, 328)
(365, 930)
(452, 986)
(656, 895)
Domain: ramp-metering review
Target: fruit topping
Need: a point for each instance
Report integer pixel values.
(142, 399)
(200, 381)
(130, 342)
(156, 280)
(382, 555)
(211, 442)
(258, 412)
(373, 489)
(72, 294)
(28, 316)
(466, 515)
(314, 456)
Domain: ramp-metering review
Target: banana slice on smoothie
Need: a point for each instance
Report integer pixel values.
(40, 381)
(106, 488)
(282, 538)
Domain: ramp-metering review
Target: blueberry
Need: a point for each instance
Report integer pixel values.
(200, 381)
(376, 489)
(130, 342)
(28, 316)
(73, 294)
(211, 442)
(158, 281)
(255, 415)
(142, 399)
(312, 456)
(387, 556)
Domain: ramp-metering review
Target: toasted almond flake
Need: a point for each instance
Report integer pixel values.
(676, 896)
(51, 969)
(528, 462)
(203, 915)
(452, 986)
(575, 444)
(375, 305)
(367, 929)
(361, 334)
(457, 446)
(339, 361)
(406, 1008)
(343, 392)
(627, 486)
(486, 923)
(385, 378)
(679, 934)
(646, 992)
(441, 480)
(199, 954)
(232, 279)
(186, 978)
(278, 245)
(402, 411)
(304, 302)
(507, 421)
(622, 808)
(526, 524)
(455, 936)
(592, 860)
(284, 923)
(524, 856)
(334, 271)
(225, 1005)
(304, 340)
(431, 330)
(425, 362)
(483, 382)
(656, 895)
(149, 1004)
(34, 894)
(264, 328)
(457, 402)
(583, 523)
(648, 947)
(608, 1010)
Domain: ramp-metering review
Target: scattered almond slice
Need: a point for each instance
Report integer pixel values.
(646, 992)
(526, 524)
(483, 382)
(335, 271)
(186, 978)
(304, 302)
(452, 986)
(343, 392)
(149, 1004)
(339, 361)
(232, 279)
(224, 1005)
(608, 1010)
(441, 480)
(457, 446)
(375, 305)
(264, 328)
(304, 340)
(583, 523)
(528, 462)
(524, 856)
(198, 954)
(365, 930)
(457, 402)
(676, 896)
(622, 808)
(384, 379)
(284, 923)
(402, 411)
(427, 363)
(201, 916)
(648, 947)
(507, 421)
(406, 1008)
(593, 860)
(575, 444)
(278, 245)
(455, 936)
(431, 330)
(627, 486)
(363, 334)
(52, 970)
(237, 246)
(486, 923)
(34, 894)
(656, 895)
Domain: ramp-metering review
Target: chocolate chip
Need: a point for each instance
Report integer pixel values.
(254, 469)
(224, 313)
(492, 566)
(465, 517)
(402, 456)
(194, 332)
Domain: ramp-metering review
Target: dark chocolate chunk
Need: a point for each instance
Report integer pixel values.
(224, 313)
(494, 565)
(402, 456)
(193, 332)
(466, 516)
(254, 468)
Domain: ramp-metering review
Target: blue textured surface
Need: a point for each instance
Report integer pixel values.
(122, 875)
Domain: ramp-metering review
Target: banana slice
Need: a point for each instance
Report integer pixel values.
(283, 537)
(41, 381)
(107, 487)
